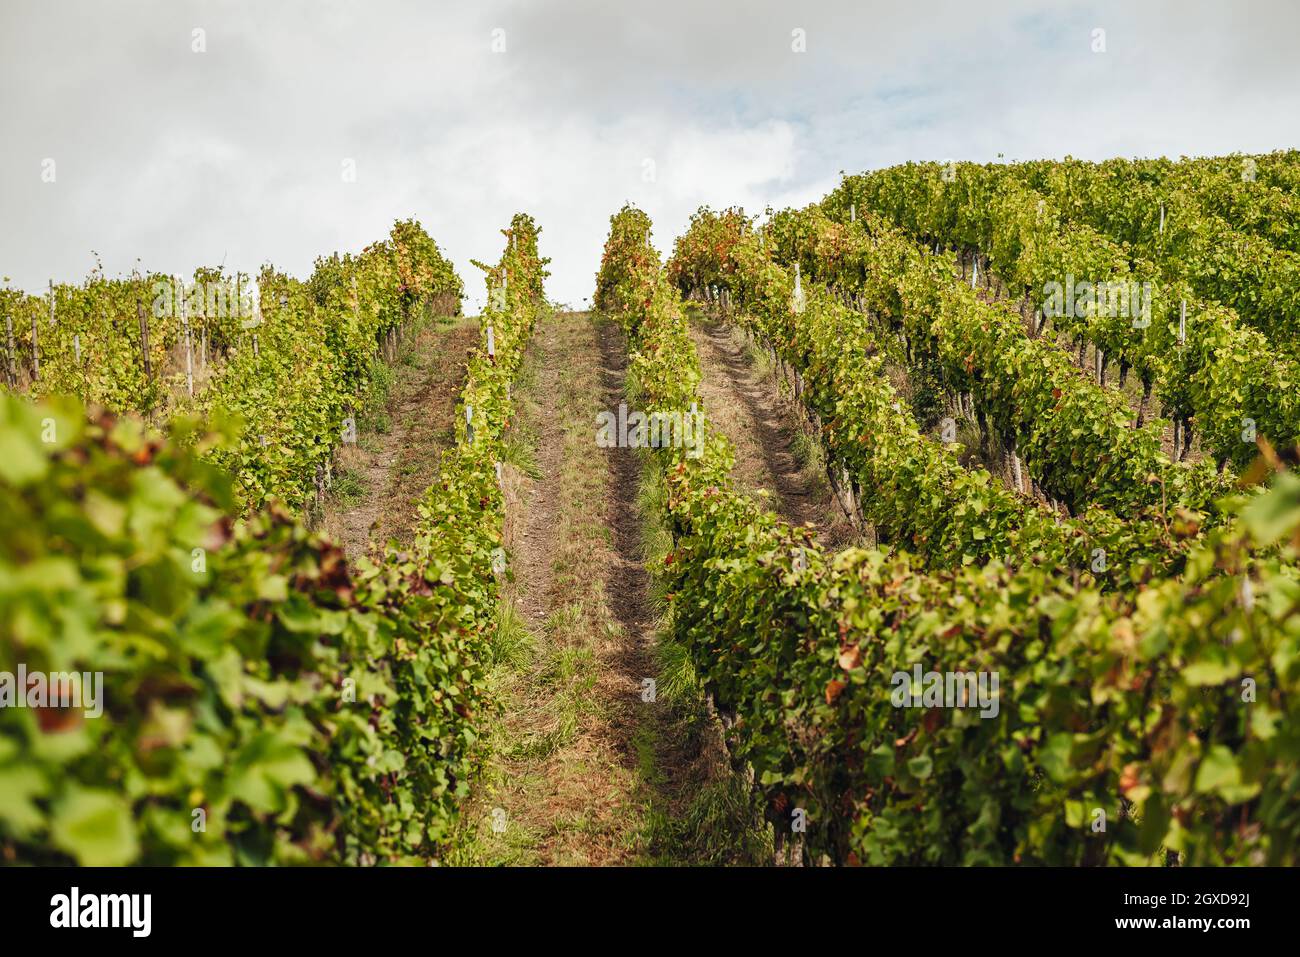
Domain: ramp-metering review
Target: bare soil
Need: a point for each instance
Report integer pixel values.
(746, 403)
(586, 764)
(393, 466)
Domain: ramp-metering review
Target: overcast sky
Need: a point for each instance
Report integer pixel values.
(236, 154)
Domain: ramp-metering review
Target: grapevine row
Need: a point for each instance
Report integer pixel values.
(909, 486)
(1168, 225)
(1075, 438)
(262, 701)
(1231, 188)
(1214, 373)
(291, 368)
(1128, 707)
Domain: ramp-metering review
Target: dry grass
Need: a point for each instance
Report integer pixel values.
(582, 770)
(400, 438)
(776, 457)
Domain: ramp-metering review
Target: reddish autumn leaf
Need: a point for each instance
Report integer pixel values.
(1128, 779)
(58, 720)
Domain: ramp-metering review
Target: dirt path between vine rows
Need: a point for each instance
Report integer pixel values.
(586, 766)
(773, 451)
(398, 447)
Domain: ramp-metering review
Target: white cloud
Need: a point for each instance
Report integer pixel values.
(180, 159)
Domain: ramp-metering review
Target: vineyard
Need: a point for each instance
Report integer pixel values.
(953, 519)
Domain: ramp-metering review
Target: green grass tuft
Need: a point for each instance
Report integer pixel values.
(512, 645)
(721, 825)
(348, 488)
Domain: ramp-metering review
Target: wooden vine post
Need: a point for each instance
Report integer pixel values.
(12, 364)
(1180, 437)
(144, 339)
(189, 349)
(36, 350)
(1017, 476)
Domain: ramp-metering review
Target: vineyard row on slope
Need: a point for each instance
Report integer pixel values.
(1129, 706)
(910, 488)
(263, 702)
(1208, 368)
(292, 368)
